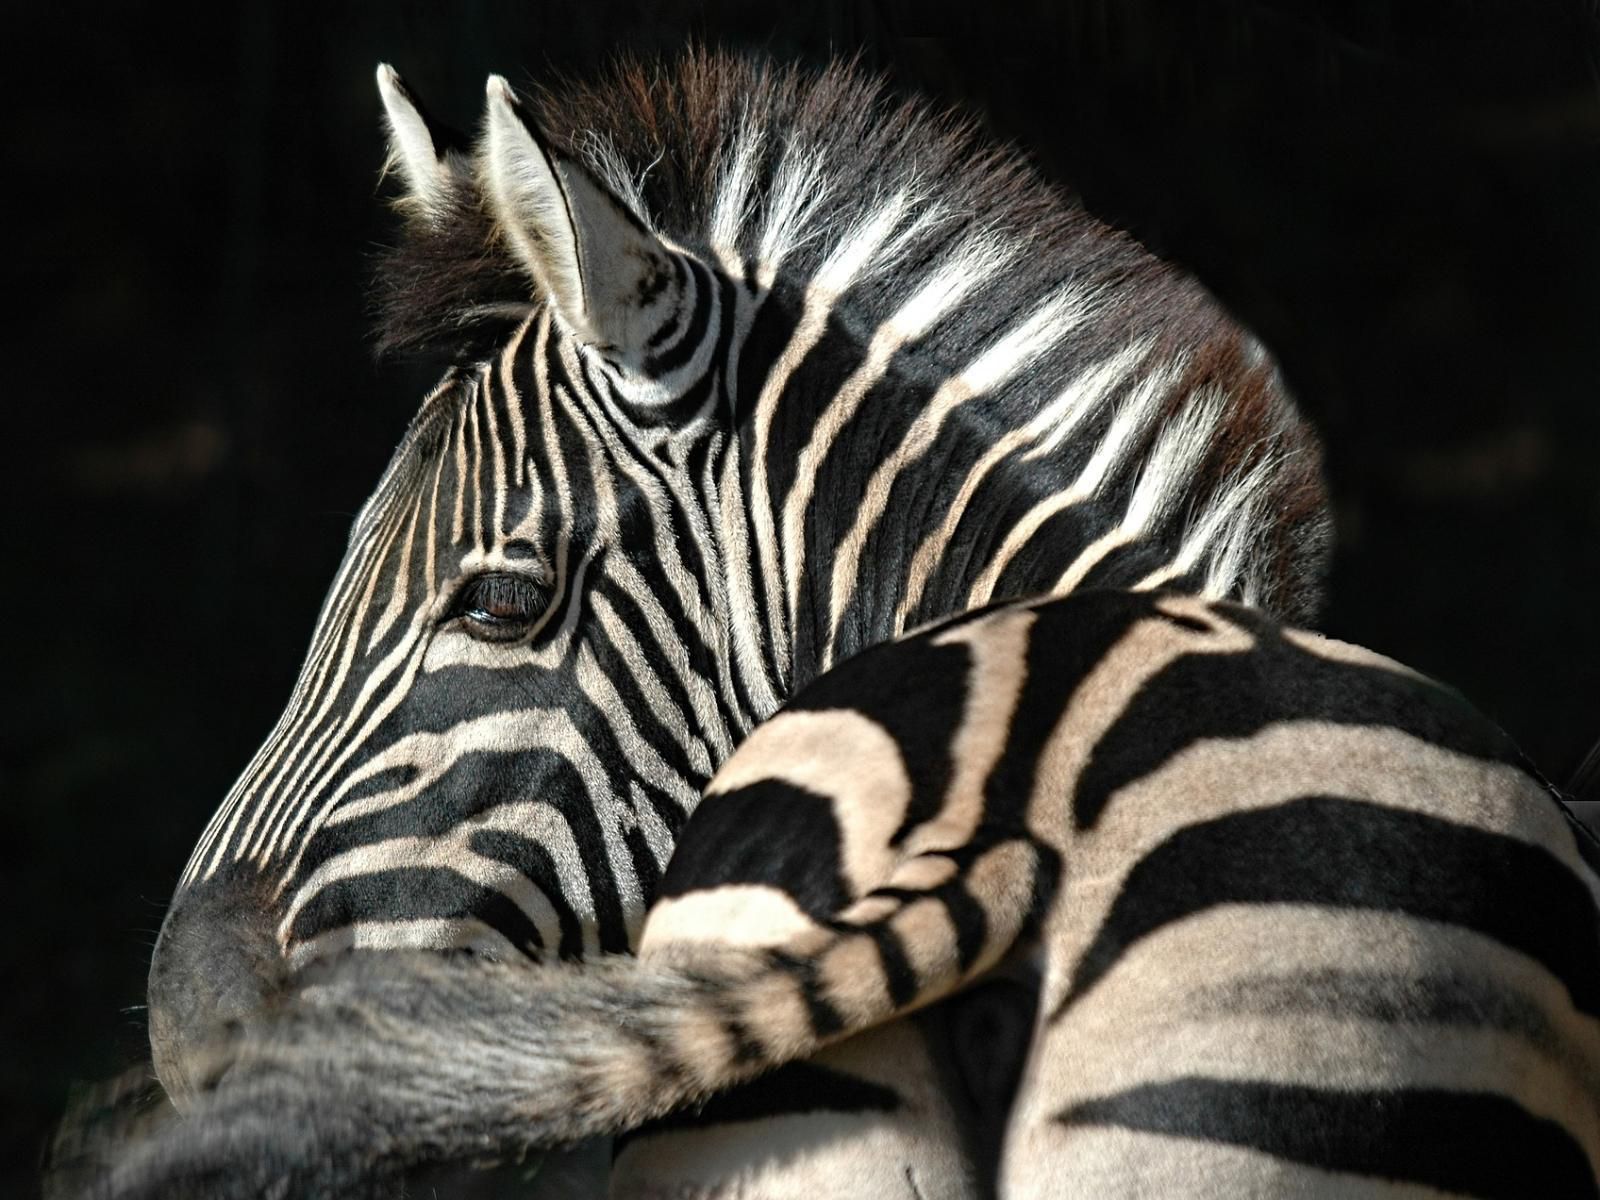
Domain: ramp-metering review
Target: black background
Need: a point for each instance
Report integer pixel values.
(1405, 204)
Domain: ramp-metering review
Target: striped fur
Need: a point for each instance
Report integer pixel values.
(752, 369)
(1308, 927)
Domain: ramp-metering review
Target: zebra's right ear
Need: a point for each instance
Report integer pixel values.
(612, 280)
(428, 169)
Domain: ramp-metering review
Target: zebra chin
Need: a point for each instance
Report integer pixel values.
(216, 963)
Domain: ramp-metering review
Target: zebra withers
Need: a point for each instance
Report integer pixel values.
(1309, 926)
(752, 368)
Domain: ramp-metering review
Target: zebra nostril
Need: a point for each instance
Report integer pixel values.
(216, 962)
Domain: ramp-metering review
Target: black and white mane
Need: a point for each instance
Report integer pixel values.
(776, 169)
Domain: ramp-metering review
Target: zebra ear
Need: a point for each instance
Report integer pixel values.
(612, 280)
(427, 170)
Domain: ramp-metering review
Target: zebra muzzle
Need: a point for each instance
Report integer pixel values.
(216, 963)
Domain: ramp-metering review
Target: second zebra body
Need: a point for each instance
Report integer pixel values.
(1308, 925)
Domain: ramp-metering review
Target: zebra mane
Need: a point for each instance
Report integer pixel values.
(741, 159)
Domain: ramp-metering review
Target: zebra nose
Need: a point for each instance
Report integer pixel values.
(215, 961)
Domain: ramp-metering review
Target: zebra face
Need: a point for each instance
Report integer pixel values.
(509, 704)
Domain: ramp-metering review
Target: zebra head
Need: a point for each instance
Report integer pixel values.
(522, 673)
(750, 369)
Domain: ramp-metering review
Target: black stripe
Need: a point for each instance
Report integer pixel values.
(533, 861)
(899, 978)
(1473, 1144)
(669, 360)
(680, 276)
(886, 412)
(677, 412)
(668, 808)
(652, 724)
(1124, 566)
(681, 633)
(414, 893)
(1069, 639)
(915, 691)
(824, 1017)
(1391, 997)
(646, 870)
(771, 833)
(1352, 854)
(1237, 695)
(542, 772)
(1053, 546)
(763, 344)
(812, 384)
(747, 1050)
(970, 921)
(390, 779)
(480, 498)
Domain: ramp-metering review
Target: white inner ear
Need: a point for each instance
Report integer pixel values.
(532, 206)
(612, 280)
(411, 146)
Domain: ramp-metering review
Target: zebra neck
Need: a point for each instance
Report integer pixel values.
(872, 511)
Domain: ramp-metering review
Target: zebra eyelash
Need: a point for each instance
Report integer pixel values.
(497, 606)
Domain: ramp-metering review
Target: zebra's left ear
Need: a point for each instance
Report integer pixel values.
(428, 169)
(612, 280)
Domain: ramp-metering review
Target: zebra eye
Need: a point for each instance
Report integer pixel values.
(498, 607)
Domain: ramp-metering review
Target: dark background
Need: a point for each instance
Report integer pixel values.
(1404, 204)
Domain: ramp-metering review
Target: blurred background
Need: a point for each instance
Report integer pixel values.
(1404, 204)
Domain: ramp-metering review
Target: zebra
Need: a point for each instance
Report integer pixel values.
(1310, 925)
(747, 368)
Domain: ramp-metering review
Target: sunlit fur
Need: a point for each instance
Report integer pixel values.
(894, 375)
(1309, 927)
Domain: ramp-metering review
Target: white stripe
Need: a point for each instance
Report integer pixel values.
(1048, 323)
(400, 585)
(311, 778)
(508, 386)
(834, 276)
(456, 933)
(1054, 422)
(1165, 481)
(1135, 415)
(731, 209)
(945, 286)
(798, 188)
(665, 711)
